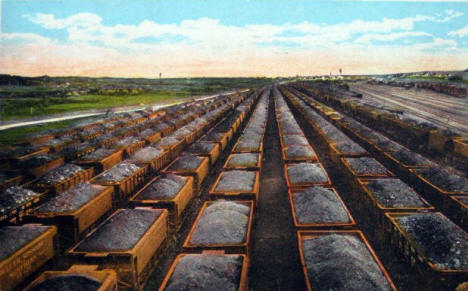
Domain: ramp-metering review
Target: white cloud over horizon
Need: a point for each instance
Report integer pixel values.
(207, 47)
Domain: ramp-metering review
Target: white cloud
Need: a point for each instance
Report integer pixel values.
(76, 20)
(451, 14)
(205, 46)
(462, 32)
(210, 34)
(368, 38)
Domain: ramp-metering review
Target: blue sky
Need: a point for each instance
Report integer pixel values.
(227, 38)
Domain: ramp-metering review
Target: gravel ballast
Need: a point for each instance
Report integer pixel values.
(394, 193)
(443, 242)
(236, 181)
(206, 272)
(222, 222)
(167, 186)
(68, 283)
(72, 199)
(341, 262)
(13, 238)
(366, 166)
(120, 232)
(303, 173)
(319, 205)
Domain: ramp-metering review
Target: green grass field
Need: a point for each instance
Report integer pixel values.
(18, 108)
(66, 94)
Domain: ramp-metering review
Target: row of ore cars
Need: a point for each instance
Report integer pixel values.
(407, 198)
(100, 220)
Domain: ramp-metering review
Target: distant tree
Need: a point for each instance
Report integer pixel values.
(455, 78)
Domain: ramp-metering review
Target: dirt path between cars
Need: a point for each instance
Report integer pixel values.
(275, 263)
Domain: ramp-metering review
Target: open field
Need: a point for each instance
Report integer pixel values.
(31, 97)
(19, 108)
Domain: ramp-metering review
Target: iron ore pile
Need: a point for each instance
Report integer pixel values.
(394, 193)
(130, 224)
(98, 154)
(299, 152)
(194, 196)
(201, 147)
(451, 248)
(118, 173)
(126, 142)
(447, 180)
(207, 272)
(245, 160)
(341, 262)
(71, 199)
(232, 181)
(38, 160)
(14, 197)
(68, 282)
(62, 173)
(366, 166)
(306, 173)
(186, 162)
(317, 205)
(165, 187)
(222, 222)
(15, 237)
(146, 154)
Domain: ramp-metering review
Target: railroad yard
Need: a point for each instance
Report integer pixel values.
(439, 108)
(298, 185)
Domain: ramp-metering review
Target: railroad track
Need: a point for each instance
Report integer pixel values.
(456, 123)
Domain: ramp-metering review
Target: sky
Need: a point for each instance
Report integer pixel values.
(194, 38)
